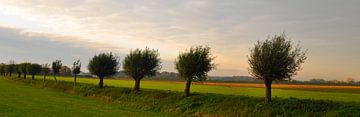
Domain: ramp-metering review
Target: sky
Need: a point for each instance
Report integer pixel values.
(42, 31)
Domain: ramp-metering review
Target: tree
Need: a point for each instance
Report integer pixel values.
(103, 65)
(141, 63)
(317, 80)
(33, 69)
(2, 69)
(10, 68)
(65, 71)
(18, 70)
(56, 66)
(23, 68)
(194, 65)
(275, 59)
(350, 80)
(45, 68)
(76, 69)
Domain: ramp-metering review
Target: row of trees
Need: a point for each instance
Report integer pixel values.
(274, 59)
(26, 68)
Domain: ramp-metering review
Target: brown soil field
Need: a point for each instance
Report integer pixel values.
(290, 86)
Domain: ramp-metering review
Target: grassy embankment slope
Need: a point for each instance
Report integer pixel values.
(335, 94)
(22, 100)
(199, 104)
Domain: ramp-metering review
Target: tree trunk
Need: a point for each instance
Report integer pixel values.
(33, 77)
(24, 75)
(10, 74)
(19, 75)
(44, 79)
(74, 80)
(268, 91)
(187, 88)
(101, 82)
(137, 85)
(55, 78)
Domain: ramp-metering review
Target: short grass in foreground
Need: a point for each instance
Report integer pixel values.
(201, 104)
(21, 100)
(244, 91)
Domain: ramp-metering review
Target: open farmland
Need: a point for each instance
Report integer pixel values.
(314, 92)
(304, 87)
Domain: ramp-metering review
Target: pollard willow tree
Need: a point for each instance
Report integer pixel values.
(103, 65)
(33, 69)
(11, 68)
(2, 69)
(56, 66)
(18, 70)
(76, 70)
(23, 68)
(275, 59)
(194, 65)
(141, 63)
(45, 68)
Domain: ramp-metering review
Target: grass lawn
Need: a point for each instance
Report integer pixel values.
(27, 101)
(244, 91)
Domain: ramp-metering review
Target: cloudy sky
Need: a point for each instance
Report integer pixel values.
(44, 30)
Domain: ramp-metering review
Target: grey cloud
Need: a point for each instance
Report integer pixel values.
(19, 46)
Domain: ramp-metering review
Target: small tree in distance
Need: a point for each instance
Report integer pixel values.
(2, 69)
(11, 67)
(275, 59)
(103, 65)
(18, 70)
(76, 69)
(33, 69)
(194, 65)
(56, 66)
(23, 68)
(141, 63)
(45, 70)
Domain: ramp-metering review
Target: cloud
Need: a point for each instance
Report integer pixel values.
(21, 46)
(326, 27)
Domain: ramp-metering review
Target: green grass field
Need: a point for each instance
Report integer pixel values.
(244, 91)
(37, 98)
(27, 101)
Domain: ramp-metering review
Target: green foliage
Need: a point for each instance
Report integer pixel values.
(10, 68)
(33, 69)
(46, 69)
(141, 63)
(275, 59)
(104, 64)
(65, 71)
(23, 67)
(18, 68)
(2, 69)
(195, 64)
(56, 66)
(76, 67)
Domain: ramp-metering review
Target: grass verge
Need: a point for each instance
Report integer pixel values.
(203, 104)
